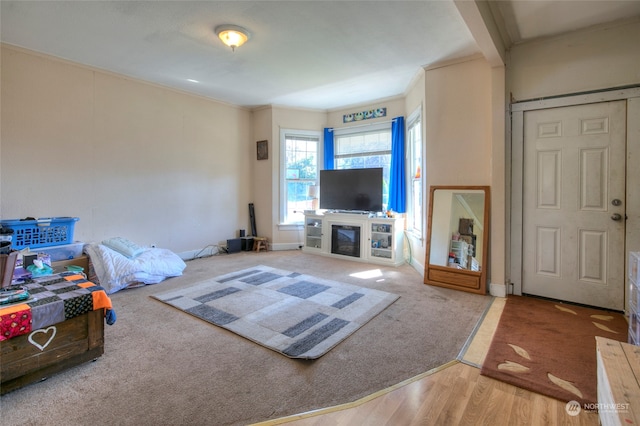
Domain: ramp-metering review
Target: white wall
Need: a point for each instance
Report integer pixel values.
(464, 134)
(458, 122)
(287, 237)
(128, 158)
(415, 100)
(595, 59)
(262, 172)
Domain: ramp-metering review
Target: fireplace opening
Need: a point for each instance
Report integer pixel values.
(345, 240)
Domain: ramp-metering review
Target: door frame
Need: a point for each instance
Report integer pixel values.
(516, 154)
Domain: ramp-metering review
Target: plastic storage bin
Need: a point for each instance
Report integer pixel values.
(634, 264)
(634, 329)
(43, 232)
(633, 298)
(63, 252)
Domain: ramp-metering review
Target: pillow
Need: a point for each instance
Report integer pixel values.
(123, 246)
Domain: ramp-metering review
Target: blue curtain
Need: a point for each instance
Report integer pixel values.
(397, 181)
(328, 149)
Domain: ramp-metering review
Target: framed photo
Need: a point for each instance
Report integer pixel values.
(263, 150)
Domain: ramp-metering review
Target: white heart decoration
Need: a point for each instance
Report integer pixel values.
(45, 331)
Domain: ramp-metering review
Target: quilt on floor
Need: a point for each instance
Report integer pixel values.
(298, 315)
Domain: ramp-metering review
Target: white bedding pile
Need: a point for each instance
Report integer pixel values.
(116, 272)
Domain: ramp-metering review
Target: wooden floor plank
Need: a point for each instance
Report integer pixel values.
(455, 394)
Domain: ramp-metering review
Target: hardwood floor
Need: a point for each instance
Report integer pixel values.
(454, 394)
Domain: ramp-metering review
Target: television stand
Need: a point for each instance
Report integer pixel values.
(358, 237)
(361, 212)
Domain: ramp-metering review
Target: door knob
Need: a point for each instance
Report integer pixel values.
(616, 216)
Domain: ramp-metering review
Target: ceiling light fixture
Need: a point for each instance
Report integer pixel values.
(232, 35)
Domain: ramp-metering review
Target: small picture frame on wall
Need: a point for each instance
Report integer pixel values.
(263, 150)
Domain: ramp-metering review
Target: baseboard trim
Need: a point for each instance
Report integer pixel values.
(195, 254)
(419, 267)
(284, 246)
(498, 290)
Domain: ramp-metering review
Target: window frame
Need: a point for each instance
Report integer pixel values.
(359, 130)
(415, 119)
(284, 133)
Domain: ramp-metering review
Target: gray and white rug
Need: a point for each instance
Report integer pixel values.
(298, 315)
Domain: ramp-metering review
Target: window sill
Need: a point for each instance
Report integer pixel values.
(416, 236)
(290, 226)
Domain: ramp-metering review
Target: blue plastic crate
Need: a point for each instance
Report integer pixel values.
(43, 232)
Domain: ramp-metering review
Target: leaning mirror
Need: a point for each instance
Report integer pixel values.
(457, 238)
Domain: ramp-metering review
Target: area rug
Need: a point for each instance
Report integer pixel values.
(550, 348)
(297, 315)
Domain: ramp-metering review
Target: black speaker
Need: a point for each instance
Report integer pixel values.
(247, 243)
(234, 245)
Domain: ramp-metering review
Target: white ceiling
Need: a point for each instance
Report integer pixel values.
(304, 54)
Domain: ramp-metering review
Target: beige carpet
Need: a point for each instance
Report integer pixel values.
(161, 367)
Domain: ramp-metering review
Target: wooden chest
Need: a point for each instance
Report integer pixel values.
(618, 382)
(37, 355)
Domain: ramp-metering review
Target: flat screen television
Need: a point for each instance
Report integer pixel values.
(351, 189)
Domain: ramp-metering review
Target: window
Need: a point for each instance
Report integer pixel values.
(300, 174)
(363, 148)
(414, 144)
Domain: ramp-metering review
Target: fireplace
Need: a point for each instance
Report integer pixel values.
(345, 240)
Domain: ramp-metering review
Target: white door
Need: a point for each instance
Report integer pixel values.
(574, 204)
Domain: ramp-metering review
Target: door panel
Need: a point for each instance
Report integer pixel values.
(574, 167)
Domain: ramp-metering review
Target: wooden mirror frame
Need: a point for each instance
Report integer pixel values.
(459, 279)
